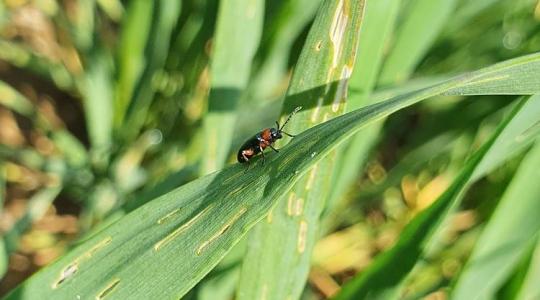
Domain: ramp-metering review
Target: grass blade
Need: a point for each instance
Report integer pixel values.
(37, 207)
(425, 19)
(71, 148)
(113, 8)
(291, 18)
(131, 62)
(3, 251)
(162, 249)
(530, 288)
(238, 32)
(512, 286)
(519, 135)
(25, 58)
(83, 27)
(4, 257)
(98, 108)
(292, 226)
(355, 154)
(382, 279)
(373, 36)
(164, 20)
(508, 234)
(13, 100)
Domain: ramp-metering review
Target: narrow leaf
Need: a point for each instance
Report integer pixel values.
(98, 107)
(131, 62)
(382, 279)
(83, 27)
(283, 244)
(374, 35)
(69, 145)
(238, 32)
(423, 22)
(164, 20)
(283, 29)
(162, 249)
(3, 251)
(508, 233)
(530, 288)
(25, 58)
(38, 205)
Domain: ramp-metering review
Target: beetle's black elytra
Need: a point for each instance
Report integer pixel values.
(263, 139)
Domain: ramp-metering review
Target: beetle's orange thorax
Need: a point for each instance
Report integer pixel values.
(266, 134)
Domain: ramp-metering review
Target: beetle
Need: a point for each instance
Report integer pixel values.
(263, 139)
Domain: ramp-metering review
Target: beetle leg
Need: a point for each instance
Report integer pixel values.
(288, 134)
(273, 148)
(262, 153)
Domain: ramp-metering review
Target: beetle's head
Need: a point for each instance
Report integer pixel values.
(276, 133)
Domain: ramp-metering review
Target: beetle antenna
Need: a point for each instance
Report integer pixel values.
(277, 123)
(298, 108)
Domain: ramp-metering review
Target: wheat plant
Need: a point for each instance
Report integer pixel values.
(413, 172)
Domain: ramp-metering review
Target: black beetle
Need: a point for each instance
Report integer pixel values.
(263, 139)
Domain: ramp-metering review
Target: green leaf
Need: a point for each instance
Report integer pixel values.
(113, 8)
(425, 19)
(135, 28)
(4, 257)
(412, 162)
(512, 286)
(509, 232)
(38, 205)
(13, 100)
(467, 11)
(98, 107)
(283, 29)
(401, 55)
(373, 37)
(383, 278)
(71, 148)
(284, 244)
(165, 247)
(530, 288)
(25, 156)
(519, 135)
(164, 20)
(238, 31)
(25, 58)
(83, 27)
(3, 251)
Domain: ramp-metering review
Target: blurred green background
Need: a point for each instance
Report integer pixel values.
(107, 104)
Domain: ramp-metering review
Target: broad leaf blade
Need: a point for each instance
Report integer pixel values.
(165, 247)
(416, 33)
(530, 288)
(3, 251)
(414, 37)
(374, 35)
(164, 21)
(283, 29)
(238, 32)
(98, 106)
(131, 62)
(507, 235)
(383, 278)
(283, 244)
